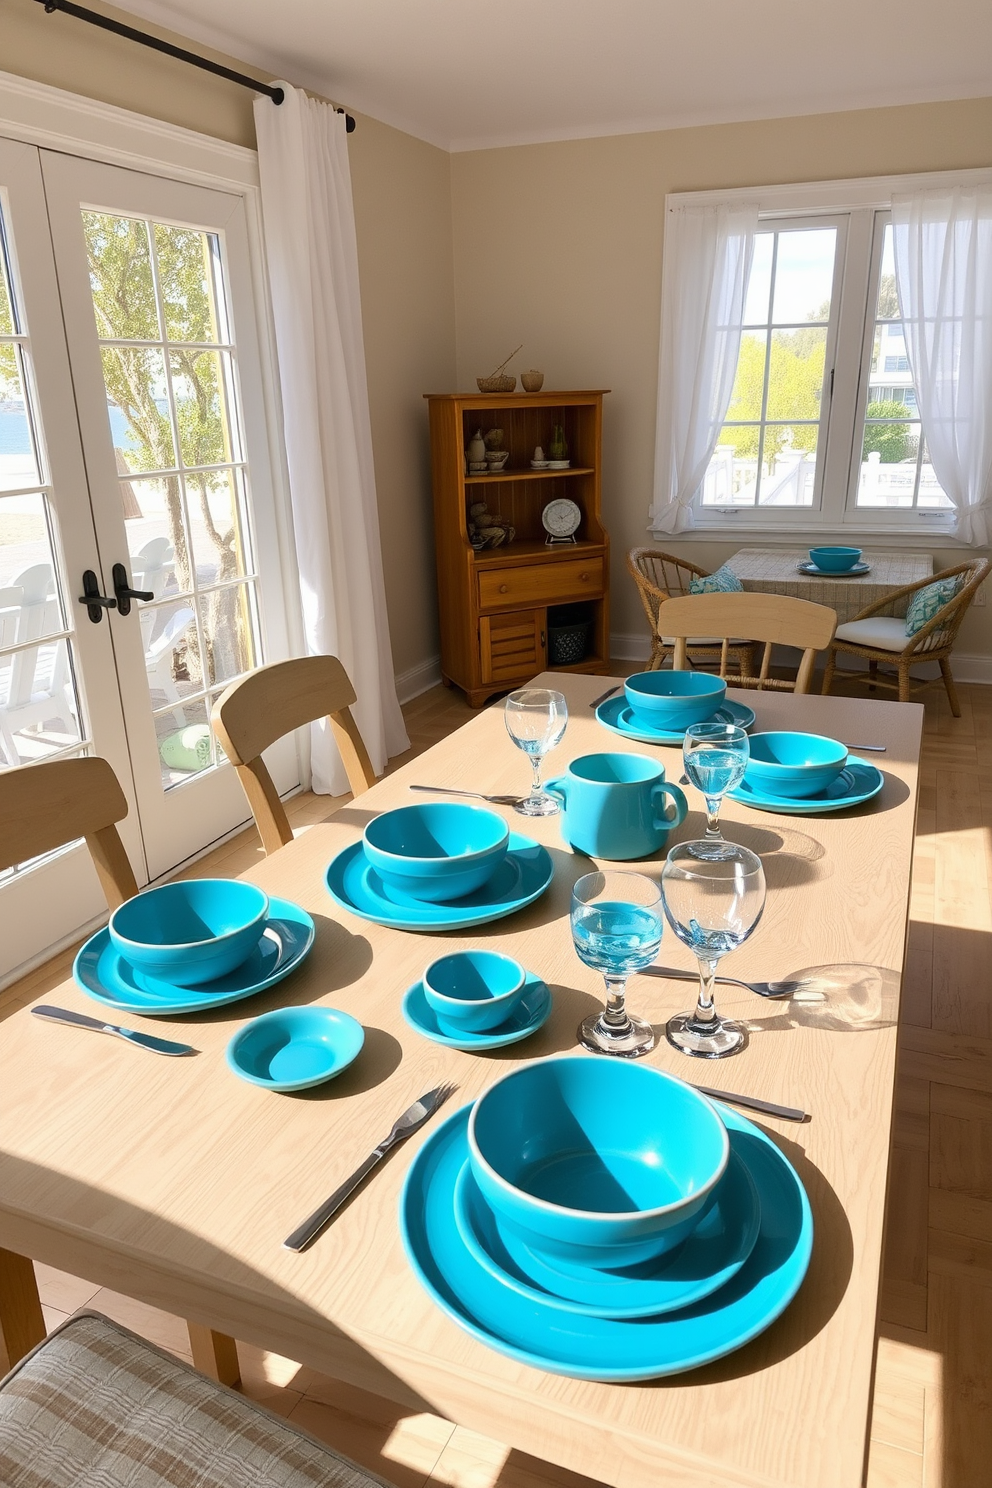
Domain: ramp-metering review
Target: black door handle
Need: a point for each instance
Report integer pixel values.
(124, 592)
(91, 597)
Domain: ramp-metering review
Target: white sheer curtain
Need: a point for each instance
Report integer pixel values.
(942, 240)
(708, 252)
(309, 229)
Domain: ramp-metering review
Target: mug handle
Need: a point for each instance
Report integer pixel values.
(557, 789)
(663, 788)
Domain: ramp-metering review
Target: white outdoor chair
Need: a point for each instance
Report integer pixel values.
(35, 683)
(158, 660)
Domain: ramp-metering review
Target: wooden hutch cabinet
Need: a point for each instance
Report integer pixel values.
(497, 604)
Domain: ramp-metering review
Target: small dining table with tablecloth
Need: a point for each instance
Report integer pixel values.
(776, 571)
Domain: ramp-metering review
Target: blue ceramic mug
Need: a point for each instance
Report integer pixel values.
(614, 805)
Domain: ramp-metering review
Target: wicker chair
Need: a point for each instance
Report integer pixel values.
(878, 634)
(660, 576)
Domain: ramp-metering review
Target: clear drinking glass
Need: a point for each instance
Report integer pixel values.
(535, 720)
(713, 905)
(616, 928)
(715, 757)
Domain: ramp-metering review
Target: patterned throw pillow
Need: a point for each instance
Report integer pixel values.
(724, 581)
(926, 602)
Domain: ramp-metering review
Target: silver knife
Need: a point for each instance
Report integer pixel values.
(411, 1120)
(603, 696)
(752, 1103)
(143, 1040)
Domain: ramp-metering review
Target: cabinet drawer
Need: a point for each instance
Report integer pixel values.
(541, 583)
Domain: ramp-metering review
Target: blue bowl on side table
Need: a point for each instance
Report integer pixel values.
(435, 852)
(668, 701)
(293, 1048)
(594, 1160)
(834, 560)
(191, 931)
(789, 764)
(473, 991)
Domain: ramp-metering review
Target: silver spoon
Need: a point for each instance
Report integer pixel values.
(445, 790)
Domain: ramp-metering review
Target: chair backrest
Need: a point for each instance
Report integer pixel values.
(660, 576)
(44, 806)
(271, 702)
(941, 632)
(775, 619)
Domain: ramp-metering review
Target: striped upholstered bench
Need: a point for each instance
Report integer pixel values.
(94, 1406)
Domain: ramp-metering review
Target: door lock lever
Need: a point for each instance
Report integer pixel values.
(94, 601)
(124, 592)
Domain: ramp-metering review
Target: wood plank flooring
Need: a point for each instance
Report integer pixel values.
(932, 1419)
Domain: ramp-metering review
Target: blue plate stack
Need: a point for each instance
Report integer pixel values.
(603, 1220)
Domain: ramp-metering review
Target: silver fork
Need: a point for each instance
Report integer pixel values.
(411, 1120)
(763, 989)
(444, 790)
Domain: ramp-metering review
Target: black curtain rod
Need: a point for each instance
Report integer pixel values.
(144, 39)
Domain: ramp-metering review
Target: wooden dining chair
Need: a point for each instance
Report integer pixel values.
(877, 634)
(271, 702)
(775, 619)
(660, 576)
(44, 807)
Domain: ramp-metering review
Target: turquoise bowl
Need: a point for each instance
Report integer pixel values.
(835, 560)
(473, 991)
(596, 1160)
(191, 931)
(293, 1048)
(668, 701)
(787, 764)
(435, 852)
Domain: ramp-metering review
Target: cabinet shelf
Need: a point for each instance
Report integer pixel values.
(527, 475)
(534, 552)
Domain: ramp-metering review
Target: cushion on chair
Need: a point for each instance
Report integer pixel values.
(96, 1407)
(886, 632)
(724, 581)
(925, 603)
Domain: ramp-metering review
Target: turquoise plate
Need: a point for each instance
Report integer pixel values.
(714, 1252)
(522, 877)
(834, 573)
(615, 714)
(857, 782)
(105, 976)
(293, 1048)
(610, 1349)
(530, 1014)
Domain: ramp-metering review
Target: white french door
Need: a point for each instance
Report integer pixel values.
(133, 456)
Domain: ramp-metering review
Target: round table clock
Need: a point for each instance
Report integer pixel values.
(561, 520)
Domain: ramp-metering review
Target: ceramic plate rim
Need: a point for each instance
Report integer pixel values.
(675, 737)
(813, 805)
(857, 570)
(480, 1041)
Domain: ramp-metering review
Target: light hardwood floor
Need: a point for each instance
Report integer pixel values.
(932, 1421)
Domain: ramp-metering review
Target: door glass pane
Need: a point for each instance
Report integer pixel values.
(18, 461)
(173, 407)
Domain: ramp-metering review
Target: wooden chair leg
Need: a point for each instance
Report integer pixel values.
(828, 672)
(214, 1354)
(952, 692)
(872, 674)
(905, 693)
(22, 1324)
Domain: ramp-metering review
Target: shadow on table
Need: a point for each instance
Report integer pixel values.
(842, 998)
(557, 1036)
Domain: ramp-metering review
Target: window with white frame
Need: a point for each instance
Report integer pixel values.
(823, 429)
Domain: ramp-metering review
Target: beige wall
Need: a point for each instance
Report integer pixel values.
(559, 246)
(403, 221)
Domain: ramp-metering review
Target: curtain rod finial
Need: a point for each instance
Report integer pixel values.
(277, 95)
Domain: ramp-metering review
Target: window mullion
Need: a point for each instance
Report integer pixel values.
(852, 354)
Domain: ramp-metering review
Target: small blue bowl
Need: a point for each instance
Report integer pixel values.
(835, 560)
(473, 991)
(668, 701)
(596, 1160)
(191, 931)
(787, 764)
(295, 1047)
(435, 852)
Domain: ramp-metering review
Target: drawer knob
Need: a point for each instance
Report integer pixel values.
(504, 588)
(583, 577)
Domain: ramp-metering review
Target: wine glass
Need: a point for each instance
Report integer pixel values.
(713, 905)
(535, 719)
(616, 928)
(715, 756)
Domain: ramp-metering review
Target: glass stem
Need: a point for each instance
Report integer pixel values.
(713, 817)
(615, 1013)
(535, 785)
(705, 1013)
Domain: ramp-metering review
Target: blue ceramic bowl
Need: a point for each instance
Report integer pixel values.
(835, 560)
(295, 1047)
(786, 764)
(192, 931)
(473, 991)
(435, 852)
(668, 701)
(596, 1160)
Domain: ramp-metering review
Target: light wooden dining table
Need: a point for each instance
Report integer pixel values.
(176, 1183)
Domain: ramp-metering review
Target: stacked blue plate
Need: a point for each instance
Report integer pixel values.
(635, 1296)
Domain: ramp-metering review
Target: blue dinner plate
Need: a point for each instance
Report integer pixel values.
(105, 976)
(522, 877)
(611, 1349)
(615, 714)
(530, 1014)
(834, 573)
(714, 1252)
(856, 783)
